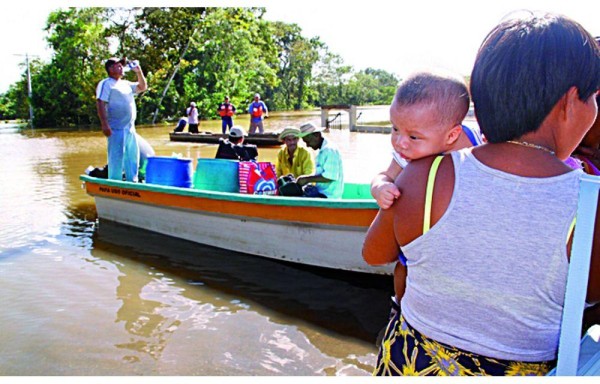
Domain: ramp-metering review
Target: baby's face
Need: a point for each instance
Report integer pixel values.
(416, 133)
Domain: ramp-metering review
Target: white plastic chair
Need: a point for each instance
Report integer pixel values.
(580, 356)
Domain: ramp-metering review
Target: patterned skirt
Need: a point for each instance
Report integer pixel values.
(406, 352)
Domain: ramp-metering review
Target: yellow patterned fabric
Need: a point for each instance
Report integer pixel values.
(406, 352)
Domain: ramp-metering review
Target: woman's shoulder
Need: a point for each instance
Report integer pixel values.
(413, 183)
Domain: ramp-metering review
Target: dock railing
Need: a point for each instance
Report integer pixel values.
(352, 119)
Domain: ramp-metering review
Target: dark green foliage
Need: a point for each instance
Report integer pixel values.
(187, 54)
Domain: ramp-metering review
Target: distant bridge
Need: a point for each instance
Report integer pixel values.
(352, 119)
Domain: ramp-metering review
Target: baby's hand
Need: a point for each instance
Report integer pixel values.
(385, 194)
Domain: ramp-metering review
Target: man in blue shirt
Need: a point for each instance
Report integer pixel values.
(329, 171)
(257, 110)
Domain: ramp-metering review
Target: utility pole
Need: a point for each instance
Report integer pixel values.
(29, 90)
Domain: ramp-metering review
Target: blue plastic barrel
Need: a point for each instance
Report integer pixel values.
(170, 171)
(219, 175)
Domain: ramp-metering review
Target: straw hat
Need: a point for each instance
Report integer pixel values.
(309, 128)
(289, 131)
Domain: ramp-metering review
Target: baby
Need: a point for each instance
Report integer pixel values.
(426, 116)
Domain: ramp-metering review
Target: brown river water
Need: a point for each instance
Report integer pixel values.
(81, 297)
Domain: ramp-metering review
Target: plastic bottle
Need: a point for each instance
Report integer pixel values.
(130, 65)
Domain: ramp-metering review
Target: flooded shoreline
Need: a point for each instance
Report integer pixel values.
(89, 297)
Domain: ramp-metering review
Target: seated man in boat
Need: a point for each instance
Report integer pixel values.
(292, 158)
(233, 146)
(181, 124)
(329, 172)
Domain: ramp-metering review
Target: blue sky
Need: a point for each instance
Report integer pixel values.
(398, 36)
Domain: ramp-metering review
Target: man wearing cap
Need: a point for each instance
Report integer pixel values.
(233, 147)
(291, 158)
(257, 110)
(192, 114)
(226, 110)
(117, 113)
(329, 172)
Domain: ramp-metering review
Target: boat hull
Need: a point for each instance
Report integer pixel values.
(312, 232)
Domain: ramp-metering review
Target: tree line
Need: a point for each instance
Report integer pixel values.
(187, 54)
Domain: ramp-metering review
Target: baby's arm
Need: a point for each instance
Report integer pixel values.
(383, 189)
(380, 246)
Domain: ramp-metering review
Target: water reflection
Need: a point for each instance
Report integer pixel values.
(240, 307)
(142, 318)
(348, 303)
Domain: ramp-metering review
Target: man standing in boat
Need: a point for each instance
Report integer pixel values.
(258, 111)
(117, 113)
(192, 114)
(329, 172)
(226, 111)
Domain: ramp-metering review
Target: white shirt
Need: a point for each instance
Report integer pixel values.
(120, 109)
(193, 117)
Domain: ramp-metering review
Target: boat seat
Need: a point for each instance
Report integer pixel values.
(357, 191)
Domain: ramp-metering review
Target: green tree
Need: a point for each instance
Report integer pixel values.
(187, 54)
(159, 38)
(297, 57)
(231, 55)
(331, 77)
(63, 90)
(371, 86)
(12, 103)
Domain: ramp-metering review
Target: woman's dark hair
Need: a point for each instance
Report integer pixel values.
(524, 67)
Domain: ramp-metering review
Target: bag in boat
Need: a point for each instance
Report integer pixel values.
(287, 186)
(257, 178)
(100, 173)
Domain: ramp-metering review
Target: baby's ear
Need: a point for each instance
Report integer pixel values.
(453, 134)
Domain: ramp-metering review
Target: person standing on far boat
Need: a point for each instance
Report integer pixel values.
(293, 159)
(192, 114)
(117, 112)
(226, 110)
(258, 111)
(329, 171)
